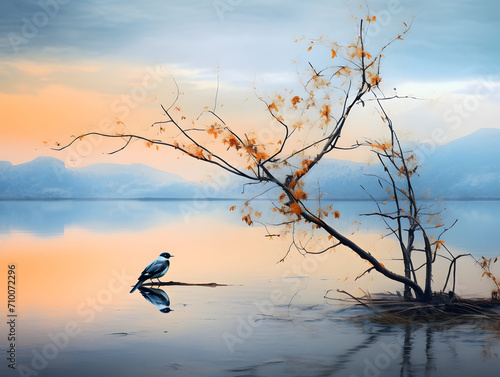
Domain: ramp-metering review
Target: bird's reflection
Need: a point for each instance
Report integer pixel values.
(157, 297)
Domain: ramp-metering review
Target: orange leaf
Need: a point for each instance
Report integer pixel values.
(343, 71)
(232, 208)
(298, 124)
(149, 144)
(375, 80)
(295, 208)
(272, 106)
(197, 152)
(360, 53)
(325, 112)
(334, 53)
(336, 214)
(213, 132)
(383, 147)
(247, 219)
(261, 156)
(157, 148)
(306, 163)
(295, 101)
(232, 141)
(300, 194)
(310, 48)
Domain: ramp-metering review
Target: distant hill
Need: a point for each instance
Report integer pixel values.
(47, 177)
(466, 168)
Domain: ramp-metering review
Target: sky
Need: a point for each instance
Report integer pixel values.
(68, 67)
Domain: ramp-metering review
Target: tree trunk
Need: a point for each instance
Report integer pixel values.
(428, 270)
(419, 293)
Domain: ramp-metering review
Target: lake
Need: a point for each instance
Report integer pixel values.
(76, 260)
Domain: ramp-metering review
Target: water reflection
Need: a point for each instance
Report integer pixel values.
(157, 297)
(44, 218)
(409, 350)
(100, 248)
(50, 218)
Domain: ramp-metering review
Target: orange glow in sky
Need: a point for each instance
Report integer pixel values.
(66, 80)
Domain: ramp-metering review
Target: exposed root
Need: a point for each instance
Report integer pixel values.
(444, 308)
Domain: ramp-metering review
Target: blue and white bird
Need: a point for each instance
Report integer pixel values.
(154, 270)
(157, 297)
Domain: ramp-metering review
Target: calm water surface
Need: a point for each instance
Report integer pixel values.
(77, 260)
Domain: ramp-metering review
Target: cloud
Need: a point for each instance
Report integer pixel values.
(95, 52)
(447, 38)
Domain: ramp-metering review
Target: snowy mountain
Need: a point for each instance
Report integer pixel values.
(339, 179)
(47, 177)
(466, 168)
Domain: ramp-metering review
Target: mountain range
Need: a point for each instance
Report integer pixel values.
(465, 168)
(48, 178)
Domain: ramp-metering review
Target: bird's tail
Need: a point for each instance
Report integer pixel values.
(137, 285)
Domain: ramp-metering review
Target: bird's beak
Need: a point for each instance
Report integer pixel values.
(171, 255)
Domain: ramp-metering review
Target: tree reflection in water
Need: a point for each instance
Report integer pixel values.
(406, 350)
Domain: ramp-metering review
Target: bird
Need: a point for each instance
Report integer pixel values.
(157, 297)
(154, 270)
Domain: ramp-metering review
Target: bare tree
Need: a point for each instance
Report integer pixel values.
(405, 219)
